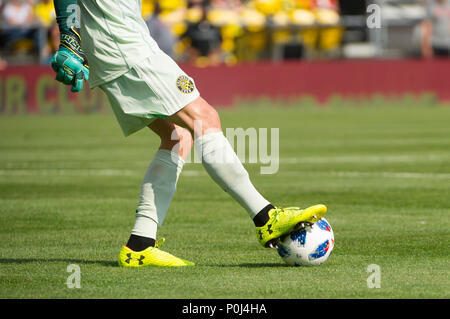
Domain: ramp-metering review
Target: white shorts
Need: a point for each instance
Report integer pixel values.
(157, 87)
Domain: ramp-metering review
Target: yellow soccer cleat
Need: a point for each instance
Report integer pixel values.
(152, 256)
(283, 220)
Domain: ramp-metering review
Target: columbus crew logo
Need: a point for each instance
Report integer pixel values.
(185, 84)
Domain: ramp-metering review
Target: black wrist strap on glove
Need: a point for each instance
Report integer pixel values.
(71, 40)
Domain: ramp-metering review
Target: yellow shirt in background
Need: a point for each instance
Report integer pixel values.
(45, 12)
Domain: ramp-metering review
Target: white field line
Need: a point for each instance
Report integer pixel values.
(392, 175)
(67, 172)
(366, 159)
(82, 172)
(282, 160)
(372, 142)
(120, 172)
(361, 174)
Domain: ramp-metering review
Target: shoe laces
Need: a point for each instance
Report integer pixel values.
(160, 242)
(276, 212)
(281, 209)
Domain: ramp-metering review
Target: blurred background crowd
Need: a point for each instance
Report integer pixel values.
(211, 32)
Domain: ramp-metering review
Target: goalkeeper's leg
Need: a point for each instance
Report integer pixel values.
(157, 190)
(225, 168)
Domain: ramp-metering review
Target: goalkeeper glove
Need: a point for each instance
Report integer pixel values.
(70, 62)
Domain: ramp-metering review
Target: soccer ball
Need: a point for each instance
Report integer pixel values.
(309, 246)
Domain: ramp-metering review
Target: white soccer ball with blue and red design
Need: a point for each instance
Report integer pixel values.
(309, 246)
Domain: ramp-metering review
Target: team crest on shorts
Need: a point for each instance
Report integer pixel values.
(185, 84)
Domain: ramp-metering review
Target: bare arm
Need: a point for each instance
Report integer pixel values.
(427, 50)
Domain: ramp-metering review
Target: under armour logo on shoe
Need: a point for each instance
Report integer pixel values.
(269, 230)
(141, 257)
(260, 234)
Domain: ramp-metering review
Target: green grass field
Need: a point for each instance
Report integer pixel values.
(69, 187)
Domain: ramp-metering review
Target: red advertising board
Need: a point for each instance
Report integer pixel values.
(32, 89)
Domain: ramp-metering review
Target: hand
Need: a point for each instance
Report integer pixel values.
(69, 62)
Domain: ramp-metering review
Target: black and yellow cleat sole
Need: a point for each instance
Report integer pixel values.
(149, 257)
(284, 220)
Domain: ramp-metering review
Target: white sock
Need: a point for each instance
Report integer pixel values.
(157, 191)
(225, 168)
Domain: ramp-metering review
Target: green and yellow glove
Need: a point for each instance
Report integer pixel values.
(70, 62)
